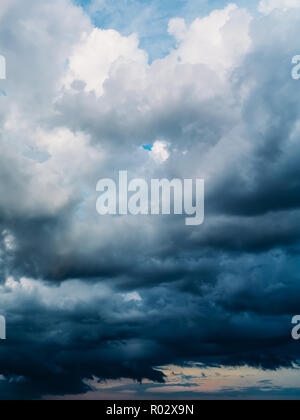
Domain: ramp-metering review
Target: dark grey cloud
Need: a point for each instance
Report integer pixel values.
(116, 297)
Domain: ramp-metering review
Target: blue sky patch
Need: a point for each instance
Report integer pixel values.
(150, 18)
(148, 147)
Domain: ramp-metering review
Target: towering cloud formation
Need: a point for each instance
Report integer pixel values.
(81, 101)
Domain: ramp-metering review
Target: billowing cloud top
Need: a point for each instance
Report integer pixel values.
(108, 297)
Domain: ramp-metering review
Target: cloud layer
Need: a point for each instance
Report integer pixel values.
(89, 297)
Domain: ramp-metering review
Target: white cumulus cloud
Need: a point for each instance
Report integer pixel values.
(267, 6)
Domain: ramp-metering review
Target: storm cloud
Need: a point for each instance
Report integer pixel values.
(116, 297)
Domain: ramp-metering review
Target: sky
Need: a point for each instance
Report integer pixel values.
(144, 306)
(150, 18)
